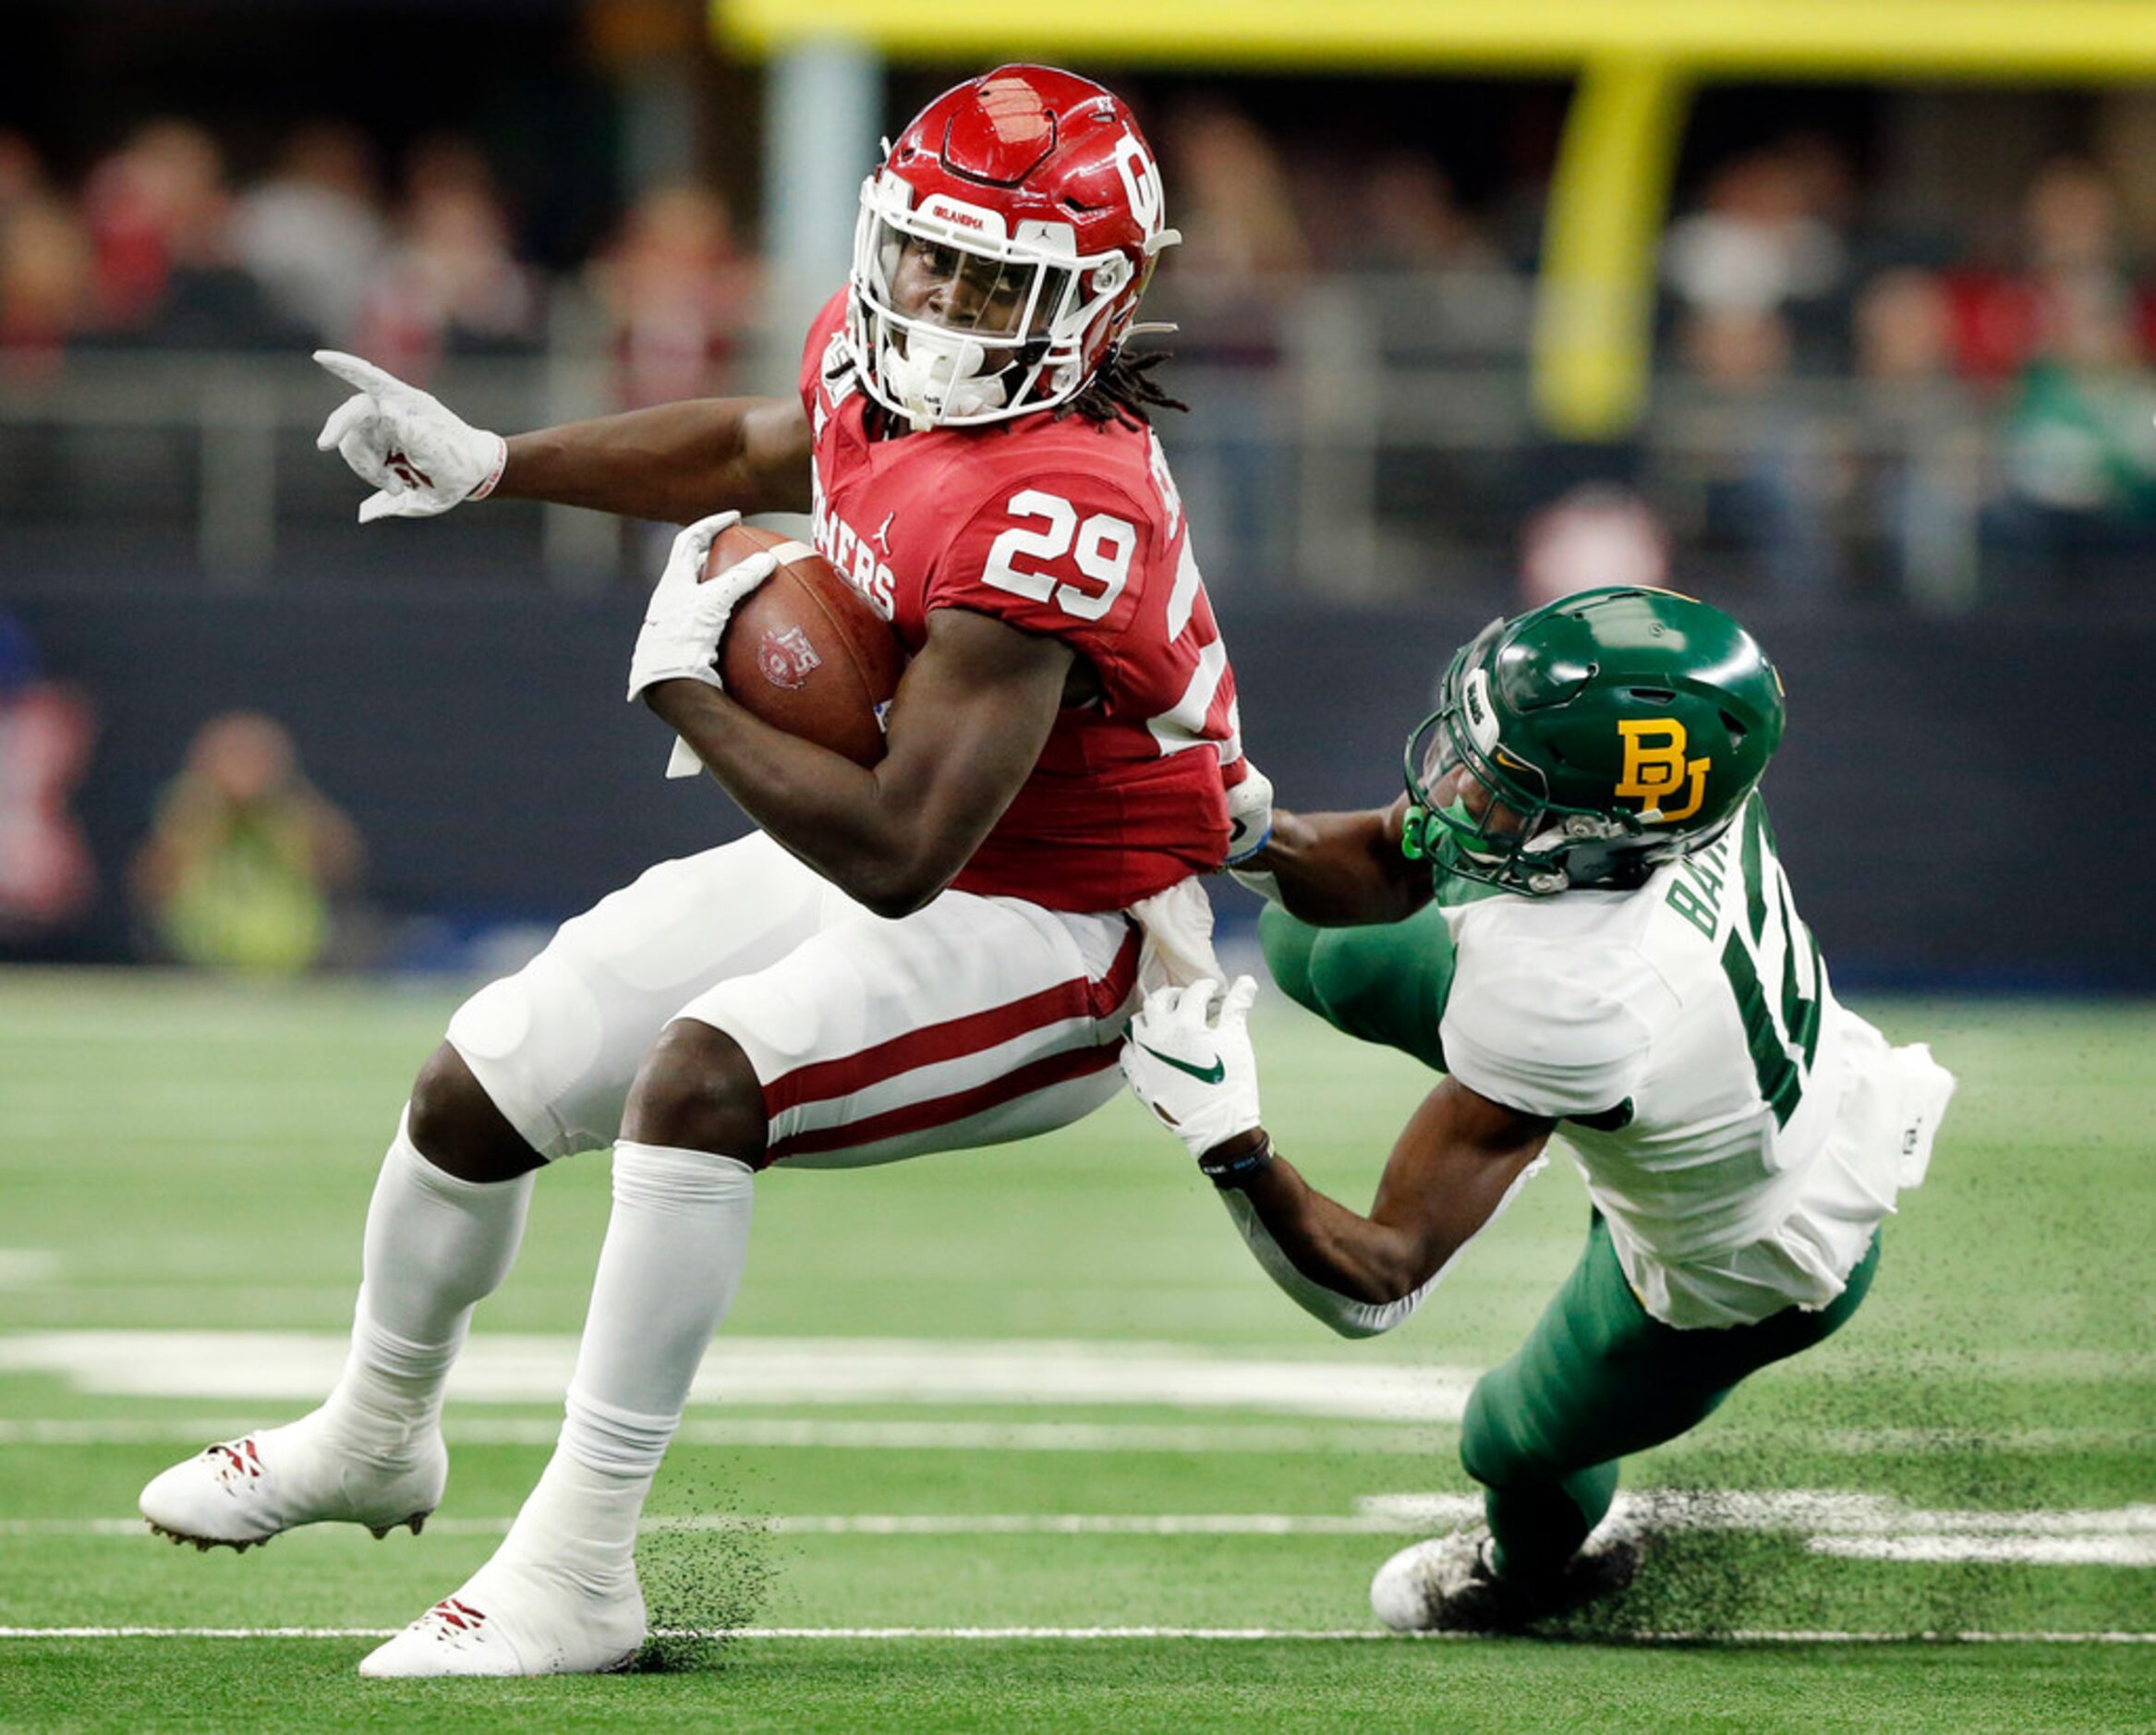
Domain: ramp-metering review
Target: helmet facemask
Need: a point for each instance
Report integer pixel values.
(955, 321)
(1479, 812)
(1591, 741)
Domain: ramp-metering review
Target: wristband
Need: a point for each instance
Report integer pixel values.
(1232, 1172)
(501, 463)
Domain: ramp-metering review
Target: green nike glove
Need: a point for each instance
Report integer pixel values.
(1198, 1076)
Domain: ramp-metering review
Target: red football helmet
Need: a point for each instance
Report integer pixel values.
(1003, 247)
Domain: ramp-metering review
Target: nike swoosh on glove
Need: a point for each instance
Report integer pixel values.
(1250, 816)
(1197, 1075)
(419, 455)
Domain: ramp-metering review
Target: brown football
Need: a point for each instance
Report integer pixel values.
(804, 650)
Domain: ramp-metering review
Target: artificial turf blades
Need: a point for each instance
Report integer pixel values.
(185, 1156)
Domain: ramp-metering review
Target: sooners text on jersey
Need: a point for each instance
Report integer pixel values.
(1068, 528)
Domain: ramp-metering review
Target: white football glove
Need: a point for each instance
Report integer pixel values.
(685, 620)
(1199, 1078)
(419, 455)
(1250, 816)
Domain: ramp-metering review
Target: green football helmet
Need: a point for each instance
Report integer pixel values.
(1591, 740)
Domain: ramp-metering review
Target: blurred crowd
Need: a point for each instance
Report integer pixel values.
(1776, 271)
(160, 248)
(1850, 396)
(2048, 329)
(2039, 321)
(1770, 268)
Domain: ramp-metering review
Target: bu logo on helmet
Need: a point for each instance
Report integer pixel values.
(1655, 770)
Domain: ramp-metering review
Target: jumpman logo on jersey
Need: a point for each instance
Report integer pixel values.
(882, 536)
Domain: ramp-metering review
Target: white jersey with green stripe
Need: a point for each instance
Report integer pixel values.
(1742, 1132)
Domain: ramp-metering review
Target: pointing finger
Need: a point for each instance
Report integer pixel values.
(360, 374)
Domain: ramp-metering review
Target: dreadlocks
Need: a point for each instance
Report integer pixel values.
(1123, 389)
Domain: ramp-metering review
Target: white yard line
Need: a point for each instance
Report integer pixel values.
(882, 1524)
(28, 1267)
(1827, 1512)
(1373, 1405)
(1942, 1441)
(2130, 1552)
(1270, 1439)
(262, 1363)
(298, 1366)
(1854, 1526)
(470, 1425)
(1225, 1634)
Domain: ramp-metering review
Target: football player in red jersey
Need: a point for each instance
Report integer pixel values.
(936, 952)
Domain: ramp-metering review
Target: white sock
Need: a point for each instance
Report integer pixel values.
(675, 1246)
(435, 1246)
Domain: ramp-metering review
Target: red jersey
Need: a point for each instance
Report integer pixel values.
(1073, 529)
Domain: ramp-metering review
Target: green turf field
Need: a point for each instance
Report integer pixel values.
(1044, 1392)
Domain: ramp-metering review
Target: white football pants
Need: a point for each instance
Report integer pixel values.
(975, 1021)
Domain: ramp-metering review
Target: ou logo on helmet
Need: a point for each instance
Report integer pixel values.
(1141, 183)
(1657, 768)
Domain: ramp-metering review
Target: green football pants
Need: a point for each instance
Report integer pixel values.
(1598, 1377)
(1386, 984)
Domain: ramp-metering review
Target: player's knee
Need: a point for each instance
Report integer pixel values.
(457, 1127)
(1288, 943)
(696, 1091)
(1488, 1452)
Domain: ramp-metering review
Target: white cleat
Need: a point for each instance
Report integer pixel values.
(1411, 1588)
(247, 1490)
(1446, 1584)
(515, 1619)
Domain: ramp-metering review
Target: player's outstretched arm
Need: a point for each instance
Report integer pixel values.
(1452, 1170)
(1339, 869)
(972, 714)
(672, 463)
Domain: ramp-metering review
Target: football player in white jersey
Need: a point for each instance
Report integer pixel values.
(1586, 926)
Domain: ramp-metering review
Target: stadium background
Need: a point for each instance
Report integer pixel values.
(1851, 307)
(1862, 312)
